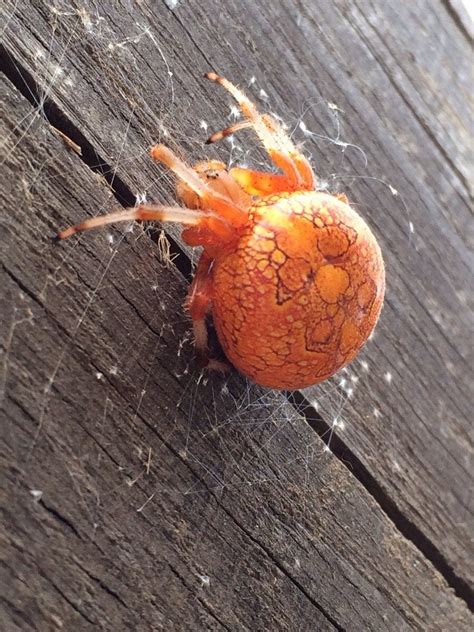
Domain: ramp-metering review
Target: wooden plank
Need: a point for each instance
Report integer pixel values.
(407, 113)
(119, 513)
(418, 451)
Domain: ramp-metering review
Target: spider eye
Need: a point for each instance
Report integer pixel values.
(212, 174)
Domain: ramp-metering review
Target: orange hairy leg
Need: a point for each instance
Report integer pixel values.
(143, 212)
(228, 131)
(211, 224)
(198, 303)
(279, 147)
(226, 214)
(260, 183)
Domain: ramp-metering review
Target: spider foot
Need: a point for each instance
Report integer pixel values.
(204, 362)
(217, 365)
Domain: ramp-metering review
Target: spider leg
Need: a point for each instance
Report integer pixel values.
(206, 229)
(228, 131)
(209, 197)
(261, 183)
(217, 177)
(218, 219)
(153, 212)
(342, 197)
(198, 304)
(278, 145)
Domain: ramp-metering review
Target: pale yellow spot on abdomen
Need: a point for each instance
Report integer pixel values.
(331, 282)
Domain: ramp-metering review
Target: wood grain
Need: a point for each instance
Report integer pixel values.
(283, 537)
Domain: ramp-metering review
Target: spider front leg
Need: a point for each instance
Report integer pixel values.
(143, 212)
(212, 224)
(198, 304)
(281, 150)
(208, 196)
(218, 214)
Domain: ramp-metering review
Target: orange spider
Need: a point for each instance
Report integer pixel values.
(294, 278)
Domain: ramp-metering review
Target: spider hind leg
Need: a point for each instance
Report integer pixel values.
(198, 304)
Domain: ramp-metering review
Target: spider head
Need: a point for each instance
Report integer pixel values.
(215, 174)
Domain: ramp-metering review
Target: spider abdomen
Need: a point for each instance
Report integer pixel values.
(301, 292)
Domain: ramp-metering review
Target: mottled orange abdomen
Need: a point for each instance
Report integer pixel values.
(301, 292)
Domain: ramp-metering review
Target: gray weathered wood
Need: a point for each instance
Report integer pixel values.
(403, 104)
(118, 94)
(116, 543)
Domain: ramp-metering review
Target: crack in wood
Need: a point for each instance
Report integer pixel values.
(406, 527)
(282, 568)
(60, 518)
(73, 605)
(28, 87)
(104, 586)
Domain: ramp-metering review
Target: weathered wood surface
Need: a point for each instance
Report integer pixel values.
(243, 494)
